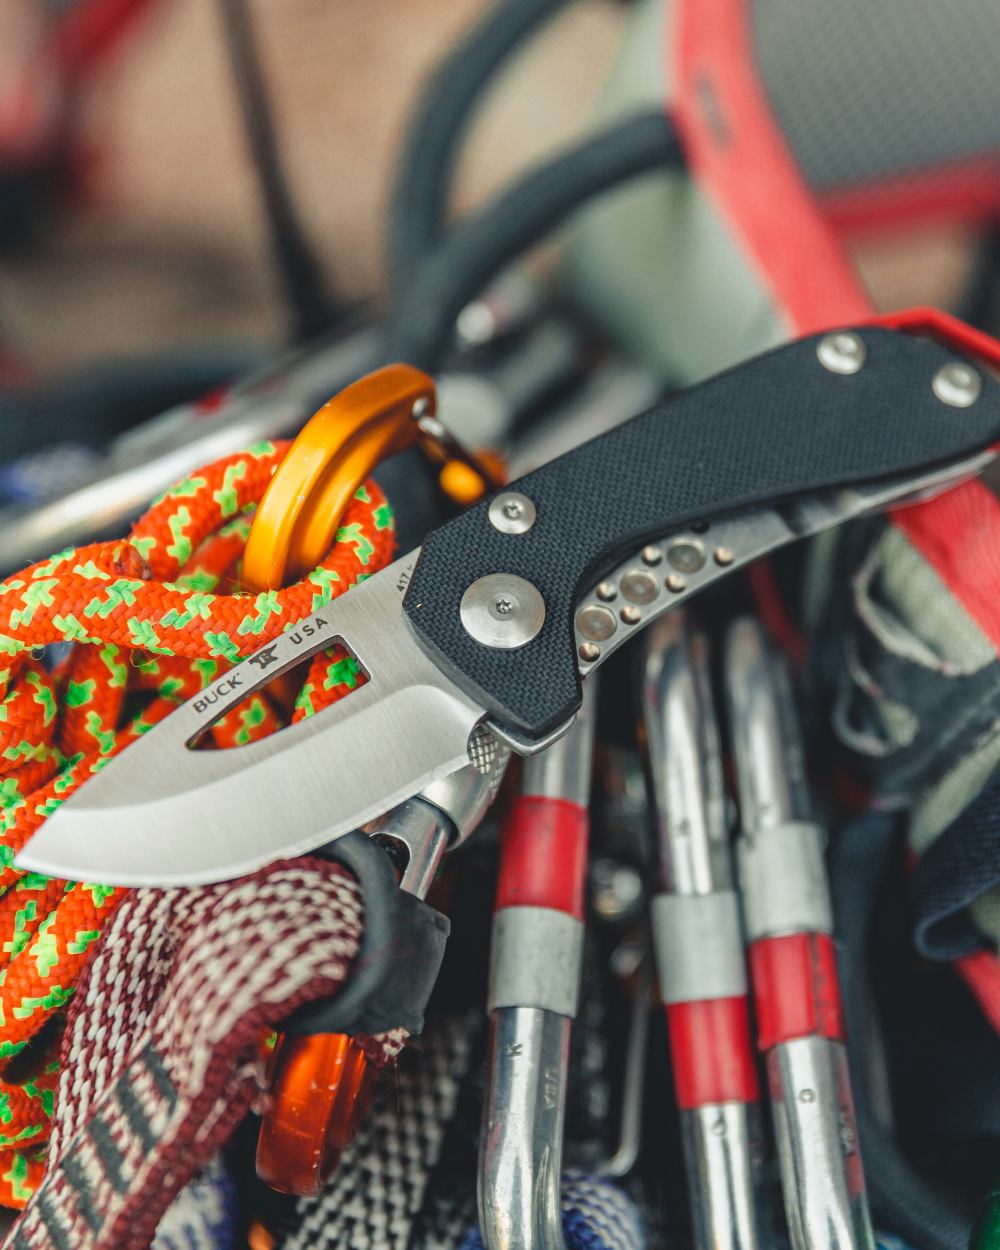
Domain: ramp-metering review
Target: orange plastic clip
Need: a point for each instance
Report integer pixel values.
(321, 1084)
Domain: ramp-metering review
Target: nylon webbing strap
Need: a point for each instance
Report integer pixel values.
(161, 1057)
(960, 866)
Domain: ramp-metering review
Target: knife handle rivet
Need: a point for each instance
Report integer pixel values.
(639, 587)
(675, 583)
(512, 513)
(589, 652)
(502, 611)
(957, 385)
(723, 556)
(841, 352)
(631, 616)
(595, 623)
(686, 555)
(607, 592)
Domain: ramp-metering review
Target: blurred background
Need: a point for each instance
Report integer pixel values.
(162, 240)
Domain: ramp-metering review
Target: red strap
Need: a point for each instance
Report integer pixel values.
(958, 534)
(737, 152)
(981, 973)
(90, 31)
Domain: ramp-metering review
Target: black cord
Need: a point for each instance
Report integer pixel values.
(422, 323)
(423, 183)
(305, 290)
(901, 1199)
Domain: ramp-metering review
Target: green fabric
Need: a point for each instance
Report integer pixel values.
(655, 264)
(986, 1233)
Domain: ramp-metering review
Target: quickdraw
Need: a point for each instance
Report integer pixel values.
(152, 619)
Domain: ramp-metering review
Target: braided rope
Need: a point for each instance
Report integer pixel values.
(151, 619)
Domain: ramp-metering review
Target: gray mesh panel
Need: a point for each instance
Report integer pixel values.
(868, 88)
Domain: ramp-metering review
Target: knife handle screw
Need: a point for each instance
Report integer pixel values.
(957, 385)
(841, 352)
(512, 513)
(502, 611)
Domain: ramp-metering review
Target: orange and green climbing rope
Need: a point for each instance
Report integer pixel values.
(151, 619)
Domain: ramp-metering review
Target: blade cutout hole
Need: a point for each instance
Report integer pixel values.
(287, 698)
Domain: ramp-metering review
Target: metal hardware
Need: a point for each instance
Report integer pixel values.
(536, 960)
(812, 1110)
(424, 832)
(740, 539)
(616, 891)
(502, 611)
(783, 867)
(698, 946)
(565, 773)
(596, 623)
(813, 1123)
(512, 513)
(686, 555)
(626, 1152)
(770, 774)
(724, 1139)
(519, 1172)
(957, 384)
(697, 936)
(464, 796)
(535, 957)
(841, 352)
(685, 761)
(639, 587)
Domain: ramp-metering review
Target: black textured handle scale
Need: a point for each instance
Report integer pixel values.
(777, 427)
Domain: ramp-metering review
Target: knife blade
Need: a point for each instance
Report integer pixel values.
(229, 812)
(503, 611)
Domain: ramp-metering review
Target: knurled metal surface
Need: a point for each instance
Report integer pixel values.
(867, 89)
(488, 757)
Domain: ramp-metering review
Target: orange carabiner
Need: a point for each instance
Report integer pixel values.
(335, 451)
(321, 1084)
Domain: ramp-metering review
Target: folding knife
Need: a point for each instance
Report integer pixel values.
(497, 618)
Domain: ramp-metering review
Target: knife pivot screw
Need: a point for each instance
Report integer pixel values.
(723, 556)
(957, 385)
(630, 615)
(607, 592)
(595, 623)
(502, 611)
(512, 513)
(639, 587)
(841, 352)
(686, 555)
(589, 652)
(675, 583)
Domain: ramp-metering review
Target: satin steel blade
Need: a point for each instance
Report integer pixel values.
(165, 814)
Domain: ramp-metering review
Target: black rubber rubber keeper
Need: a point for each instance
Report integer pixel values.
(779, 426)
